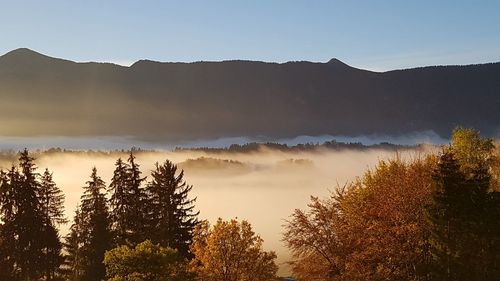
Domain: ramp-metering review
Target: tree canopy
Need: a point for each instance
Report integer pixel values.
(231, 251)
(146, 261)
(434, 218)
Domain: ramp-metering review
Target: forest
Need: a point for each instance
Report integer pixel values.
(432, 217)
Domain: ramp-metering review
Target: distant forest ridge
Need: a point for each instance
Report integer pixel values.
(329, 145)
(11, 155)
(168, 102)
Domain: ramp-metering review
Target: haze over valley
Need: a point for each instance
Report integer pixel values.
(228, 184)
(284, 140)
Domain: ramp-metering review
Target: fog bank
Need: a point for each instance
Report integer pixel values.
(263, 187)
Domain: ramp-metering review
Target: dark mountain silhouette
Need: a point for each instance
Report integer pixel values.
(157, 101)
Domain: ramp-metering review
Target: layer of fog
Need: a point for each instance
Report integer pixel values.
(124, 142)
(262, 187)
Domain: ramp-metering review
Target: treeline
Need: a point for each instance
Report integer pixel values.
(432, 218)
(436, 218)
(129, 212)
(333, 145)
(10, 155)
(131, 229)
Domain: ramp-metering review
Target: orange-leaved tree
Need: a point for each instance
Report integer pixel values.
(230, 251)
(375, 229)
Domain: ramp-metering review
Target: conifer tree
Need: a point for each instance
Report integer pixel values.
(29, 220)
(6, 225)
(29, 243)
(445, 218)
(31, 207)
(52, 199)
(52, 207)
(94, 229)
(461, 241)
(171, 210)
(478, 162)
(73, 264)
(119, 203)
(127, 203)
(138, 202)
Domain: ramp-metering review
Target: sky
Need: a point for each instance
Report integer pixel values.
(375, 35)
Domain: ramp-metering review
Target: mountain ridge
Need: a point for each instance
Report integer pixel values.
(331, 61)
(160, 101)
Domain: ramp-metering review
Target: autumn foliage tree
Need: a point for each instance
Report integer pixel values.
(434, 218)
(146, 261)
(373, 229)
(231, 251)
(317, 240)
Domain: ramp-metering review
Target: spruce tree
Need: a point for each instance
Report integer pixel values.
(29, 243)
(119, 203)
(461, 240)
(31, 207)
(7, 214)
(478, 162)
(171, 211)
(52, 206)
(137, 202)
(94, 228)
(73, 244)
(127, 203)
(52, 199)
(29, 221)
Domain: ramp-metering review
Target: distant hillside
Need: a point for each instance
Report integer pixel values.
(306, 147)
(155, 101)
(209, 165)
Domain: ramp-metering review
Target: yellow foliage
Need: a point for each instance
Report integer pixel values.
(375, 229)
(230, 251)
(146, 261)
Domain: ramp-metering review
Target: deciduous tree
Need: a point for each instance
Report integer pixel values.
(231, 251)
(146, 261)
(374, 229)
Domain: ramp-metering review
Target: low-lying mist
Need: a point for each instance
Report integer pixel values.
(125, 142)
(263, 186)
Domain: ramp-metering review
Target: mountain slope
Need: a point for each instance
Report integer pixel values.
(179, 101)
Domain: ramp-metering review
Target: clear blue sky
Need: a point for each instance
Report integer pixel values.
(374, 34)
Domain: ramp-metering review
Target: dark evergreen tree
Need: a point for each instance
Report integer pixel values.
(171, 211)
(7, 215)
(22, 222)
(73, 265)
(94, 229)
(459, 223)
(480, 165)
(52, 199)
(482, 231)
(127, 203)
(30, 208)
(52, 206)
(6, 263)
(137, 203)
(29, 221)
(120, 204)
(492, 234)
(446, 218)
